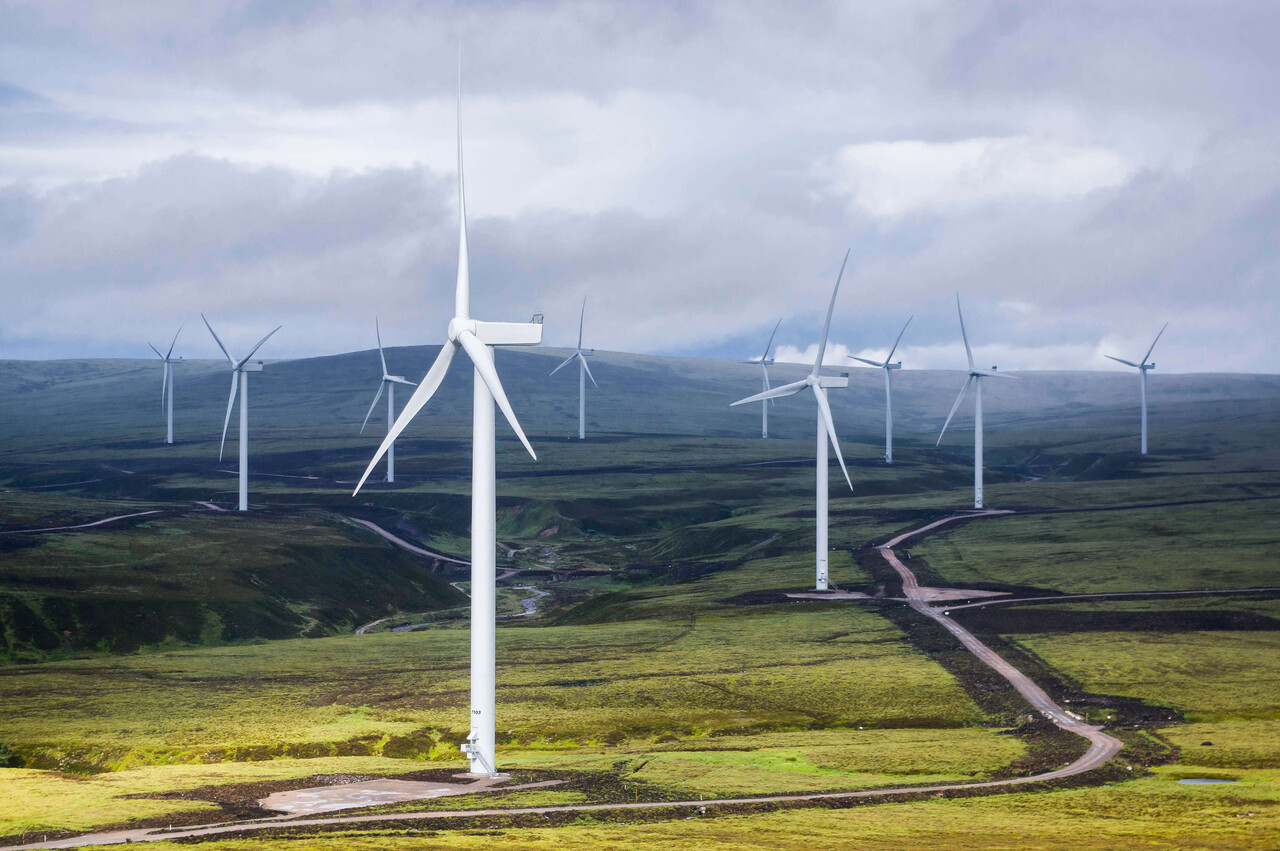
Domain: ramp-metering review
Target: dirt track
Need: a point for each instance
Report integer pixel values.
(403, 544)
(82, 525)
(1101, 746)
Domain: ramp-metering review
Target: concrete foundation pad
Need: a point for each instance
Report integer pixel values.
(829, 595)
(371, 793)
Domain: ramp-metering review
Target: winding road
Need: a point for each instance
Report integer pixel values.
(80, 526)
(403, 544)
(1102, 746)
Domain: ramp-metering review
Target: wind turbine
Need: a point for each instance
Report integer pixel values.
(888, 391)
(1142, 372)
(166, 386)
(477, 338)
(766, 362)
(975, 379)
(240, 370)
(388, 383)
(826, 428)
(584, 372)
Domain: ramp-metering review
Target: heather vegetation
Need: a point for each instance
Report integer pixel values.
(170, 667)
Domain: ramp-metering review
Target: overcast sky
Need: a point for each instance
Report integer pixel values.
(1081, 173)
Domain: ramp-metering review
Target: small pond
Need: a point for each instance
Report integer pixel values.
(1204, 781)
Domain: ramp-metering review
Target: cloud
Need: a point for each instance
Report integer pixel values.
(1078, 173)
(891, 179)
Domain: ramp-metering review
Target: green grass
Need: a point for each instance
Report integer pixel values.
(1151, 812)
(202, 578)
(1210, 675)
(800, 667)
(1226, 545)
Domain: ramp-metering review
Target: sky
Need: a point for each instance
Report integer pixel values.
(1079, 173)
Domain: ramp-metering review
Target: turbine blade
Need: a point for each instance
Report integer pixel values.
(231, 401)
(773, 393)
(963, 335)
(767, 385)
(993, 373)
(381, 386)
(154, 349)
(255, 348)
(482, 358)
(175, 341)
(462, 293)
(219, 342)
(395, 379)
(899, 340)
(867, 362)
(588, 369)
(822, 346)
(381, 356)
(1153, 344)
(430, 382)
(824, 410)
(954, 408)
(1125, 362)
(769, 345)
(164, 386)
(581, 318)
(564, 363)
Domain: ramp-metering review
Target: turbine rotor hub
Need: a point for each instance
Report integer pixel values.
(459, 324)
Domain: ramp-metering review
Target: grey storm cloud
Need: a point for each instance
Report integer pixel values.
(1080, 172)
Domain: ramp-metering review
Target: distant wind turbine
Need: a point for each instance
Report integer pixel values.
(826, 428)
(584, 372)
(388, 383)
(766, 362)
(240, 370)
(477, 338)
(166, 386)
(1142, 373)
(975, 379)
(888, 391)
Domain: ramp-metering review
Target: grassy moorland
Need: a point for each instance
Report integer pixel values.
(165, 657)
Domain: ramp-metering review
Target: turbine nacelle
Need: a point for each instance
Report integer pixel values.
(496, 333)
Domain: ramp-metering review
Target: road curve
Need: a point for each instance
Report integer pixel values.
(81, 526)
(403, 544)
(1102, 747)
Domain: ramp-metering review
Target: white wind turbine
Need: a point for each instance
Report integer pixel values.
(975, 379)
(766, 362)
(387, 383)
(1142, 372)
(584, 372)
(240, 370)
(888, 390)
(166, 386)
(826, 428)
(477, 338)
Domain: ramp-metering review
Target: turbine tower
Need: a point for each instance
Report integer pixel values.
(975, 379)
(1142, 373)
(477, 338)
(888, 390)
(240, 370)
(166, 385)
(826, 428)
(766, 362)
(388, 383)
(584, 372)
